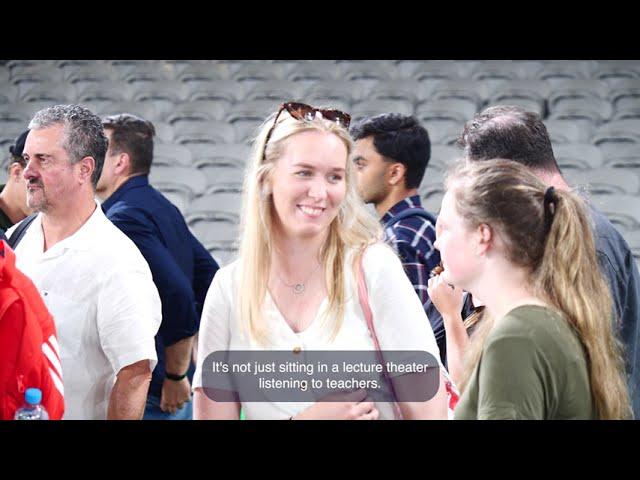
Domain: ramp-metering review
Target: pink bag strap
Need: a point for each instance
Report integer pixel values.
(363, 297)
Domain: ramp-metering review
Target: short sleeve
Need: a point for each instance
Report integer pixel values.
(398, 316)
(129, 315)
(511, 380)
(215, 331)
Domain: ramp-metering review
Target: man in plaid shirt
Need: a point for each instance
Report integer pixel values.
(391, 155)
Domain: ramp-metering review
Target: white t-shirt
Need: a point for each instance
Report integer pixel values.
(107, 311)
(399, 319)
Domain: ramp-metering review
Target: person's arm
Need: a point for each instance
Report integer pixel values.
(128, 317)
(205, 408)
(179, 318)
(177, 361)
(129, 393)
(448, 300)
(204, 269)
(434, 409)
(413, 266)
(417, 266)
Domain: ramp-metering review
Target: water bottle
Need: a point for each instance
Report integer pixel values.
(32, 410)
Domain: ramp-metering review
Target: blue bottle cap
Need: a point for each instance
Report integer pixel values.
(33, 396)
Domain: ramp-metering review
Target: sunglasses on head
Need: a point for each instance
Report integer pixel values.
(302, 111)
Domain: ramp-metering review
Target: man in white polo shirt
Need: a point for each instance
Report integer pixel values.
(93, 279)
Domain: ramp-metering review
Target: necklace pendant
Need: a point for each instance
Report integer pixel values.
(298, 288)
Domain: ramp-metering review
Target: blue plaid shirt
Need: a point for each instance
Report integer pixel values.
(412, 238)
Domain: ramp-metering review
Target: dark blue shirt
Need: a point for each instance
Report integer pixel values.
(413, 238)
(182, 268)
(621, 272)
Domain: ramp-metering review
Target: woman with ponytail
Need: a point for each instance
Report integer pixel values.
(545, 348)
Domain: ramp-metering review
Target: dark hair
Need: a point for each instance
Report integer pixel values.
(16, 159)
(398, 138)
(16, 150)
(509, 132)
(134, 136)
(84, 136)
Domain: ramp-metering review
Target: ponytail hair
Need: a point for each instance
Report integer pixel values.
(548, 232)
(569, 278)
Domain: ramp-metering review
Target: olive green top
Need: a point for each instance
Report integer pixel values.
(533, 366)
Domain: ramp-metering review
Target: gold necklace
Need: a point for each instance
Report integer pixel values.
(299, 288)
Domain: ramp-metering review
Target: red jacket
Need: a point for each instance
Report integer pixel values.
(28, 346)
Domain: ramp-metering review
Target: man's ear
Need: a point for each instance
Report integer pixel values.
(396, 172)
(484, 235)
(15, 171)
(123, 162)
(87, 167)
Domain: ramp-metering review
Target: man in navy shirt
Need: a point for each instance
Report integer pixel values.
(182, 268)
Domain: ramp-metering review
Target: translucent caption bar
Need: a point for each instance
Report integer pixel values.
(312, 376)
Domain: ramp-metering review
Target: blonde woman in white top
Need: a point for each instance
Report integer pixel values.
(294, 285)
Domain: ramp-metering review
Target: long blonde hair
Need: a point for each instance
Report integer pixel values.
(353, 228)
(558, 248)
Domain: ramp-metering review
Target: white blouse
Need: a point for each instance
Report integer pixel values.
(399, 319)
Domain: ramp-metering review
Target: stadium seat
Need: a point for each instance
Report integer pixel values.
(172, 155)
(623, 210)
(578, 156)
(369, 108)
(342, 90)
(624, 156)
(203, 132)
(567, 131)
(400, 89)
(605, 181)
(200, 110)
(149, 73)
(220, 178)
(217, 206)
(610, 136)
(314, 71)
(54, 93)
(529, 94)
(593, 110)
(223, 154)
(228, 91)
(164, 94)
(278, 90)
(450, 109)
(442, 157)
(472, 91)
(178, 178)
(145, 110)
(113, 91)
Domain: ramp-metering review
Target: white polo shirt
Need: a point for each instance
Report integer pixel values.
(399, 318)
(107, 311)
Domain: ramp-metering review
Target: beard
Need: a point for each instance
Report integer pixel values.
(37, 200)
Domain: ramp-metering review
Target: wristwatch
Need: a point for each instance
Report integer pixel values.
(176, 378)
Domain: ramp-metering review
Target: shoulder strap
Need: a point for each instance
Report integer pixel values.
(20, 230)
(363, 297)
(453, 395)
(411, 212)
